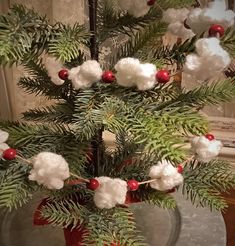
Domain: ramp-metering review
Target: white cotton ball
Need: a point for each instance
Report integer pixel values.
(3, 136)
(201, 19)
(175, 15)
(145, 78)
(53, 67)
(205, 149)
(127, 68)
(91, 71)
(210, 60)
(166, 175)
(50, 170)
(139, 8)
(178, 29)
(136, 8)
(84, 76)
(110, 193)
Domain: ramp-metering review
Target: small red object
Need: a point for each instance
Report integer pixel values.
(9, 154)
(163, 76)
(210, 136)
(93, 184)
(180, 169)
(108, 77)
(133, 185)
(151, 2)
(215, 30)
(63, 74)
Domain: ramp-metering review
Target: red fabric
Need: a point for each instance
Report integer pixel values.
(74, 237)
(37, 217)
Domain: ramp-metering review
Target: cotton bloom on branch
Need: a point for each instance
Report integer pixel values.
(84, 76)
(176, 18)
(130, 72)
(200, 20)
(136, 8)
(210, 59)
(50, 170)
(205, 149)
(166, 175)
(110, 193)
(3, 138)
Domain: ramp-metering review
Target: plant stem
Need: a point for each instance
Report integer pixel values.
(94, 50)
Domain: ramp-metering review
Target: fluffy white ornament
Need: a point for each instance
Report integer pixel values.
(3, 138)
(136, 8)
(110, 193)
(166, 175)
(50, 170)
(176, 18)
(205, 149)
(201, 19)
(84, 76)
(130, 72)
(210, 59)
(53, 67)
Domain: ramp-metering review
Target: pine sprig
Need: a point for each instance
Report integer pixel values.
(67, 42)
(228, 41)
(204, 183)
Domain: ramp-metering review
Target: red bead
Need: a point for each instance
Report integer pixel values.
(108, 77)
(215, 30)
(151, 2)
(93, 184)
(133, 185)
(180, 169)
(63, 74)
(210, 136)
(163, 76)
(9, 154)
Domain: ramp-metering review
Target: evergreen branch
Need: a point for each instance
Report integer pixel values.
(15, 189)
(138, 41)
(67, 42)
(60, 113)
(204, 183)
(23, 34)
(63, 213)
(112, 22)
(112, 226)
(222, 91)
(228, 41)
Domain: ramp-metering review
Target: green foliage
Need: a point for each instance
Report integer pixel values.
(138, 41)
(228, 41)
(110, 226)
(23, 34)
(67, 42)
(15, 189)
(204, 183)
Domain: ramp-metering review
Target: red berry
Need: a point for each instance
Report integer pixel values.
(93, 184)
(108, 77)
(133, 185)
(216, 29)
(180, 169)
(63, 74)
(163, 76)
(210, 136)
(9, 154)
(151, 2)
